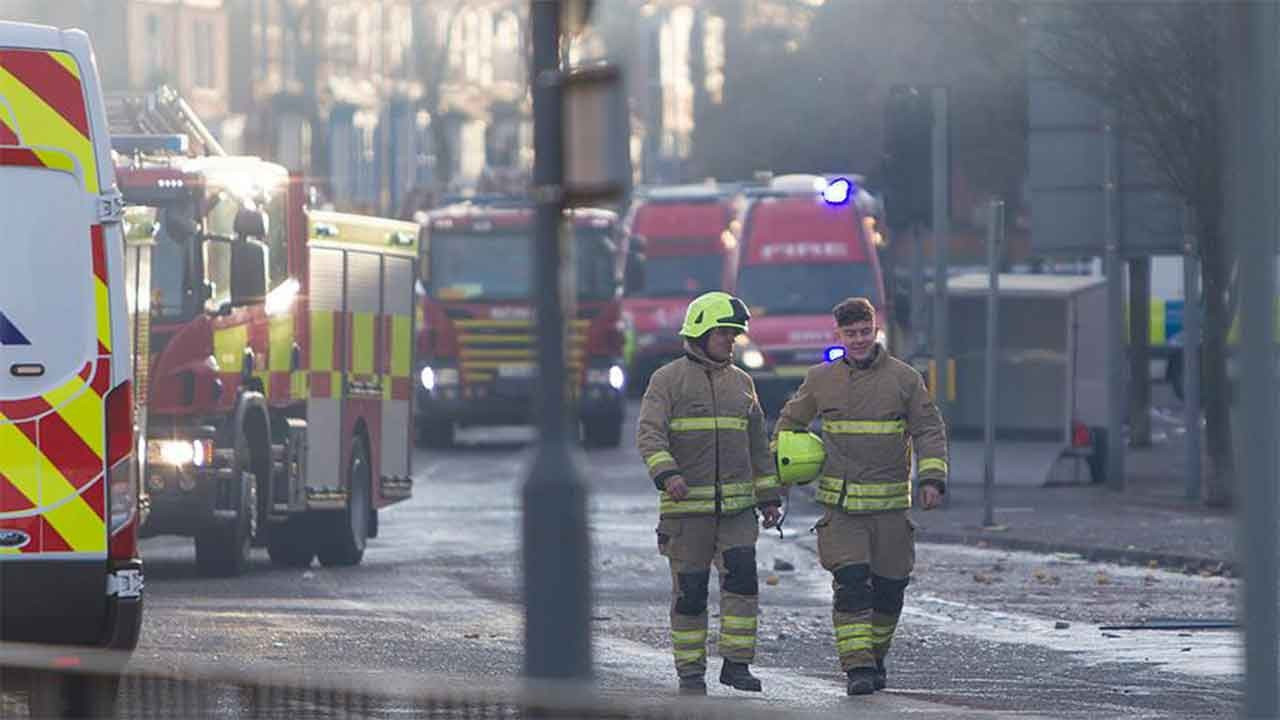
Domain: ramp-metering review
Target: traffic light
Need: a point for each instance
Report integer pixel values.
(909, 157)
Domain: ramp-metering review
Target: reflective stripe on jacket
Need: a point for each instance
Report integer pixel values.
(701, 420)
(872, 419)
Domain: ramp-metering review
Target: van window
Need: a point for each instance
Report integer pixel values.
(46, 321)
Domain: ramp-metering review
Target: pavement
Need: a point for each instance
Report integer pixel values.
(1149, 523)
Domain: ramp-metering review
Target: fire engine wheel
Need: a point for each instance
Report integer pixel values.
(346, 536)
(52, 695)
(223, 550)
(292, 544)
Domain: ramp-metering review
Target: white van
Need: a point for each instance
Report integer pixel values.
(69, 494)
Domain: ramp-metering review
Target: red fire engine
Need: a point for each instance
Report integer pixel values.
(282, 339)
(477, 343)
(679, 246)
(808, 242)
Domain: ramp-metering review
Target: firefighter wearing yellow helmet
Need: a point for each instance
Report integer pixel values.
(875, 411)
(702, 436)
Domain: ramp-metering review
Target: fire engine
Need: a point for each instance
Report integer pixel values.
(808, 242)
(282, 340)
(678, 247)
(477, 343)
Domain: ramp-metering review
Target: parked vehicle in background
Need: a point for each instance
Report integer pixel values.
(280, 385)
(807, 242)
(679, 245)
(477, 343)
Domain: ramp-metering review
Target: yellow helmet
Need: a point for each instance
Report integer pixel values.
(800, 457)
(713, 310)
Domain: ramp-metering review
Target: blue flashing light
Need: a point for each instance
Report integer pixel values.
(833, 353)
(173, 144)
(838, 191)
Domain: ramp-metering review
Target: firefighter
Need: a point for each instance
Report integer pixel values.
(702, 435)
(875, 410)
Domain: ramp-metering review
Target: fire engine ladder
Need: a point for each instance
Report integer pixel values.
(160, 112)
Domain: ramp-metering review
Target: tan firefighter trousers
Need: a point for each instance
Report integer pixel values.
(692, 545)
(870, 556)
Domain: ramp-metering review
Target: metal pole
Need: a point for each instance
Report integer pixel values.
(995, 233)
(555, 549)
(1140, 351)
(918, 334)
(1257, 246)
(1191, 354)
(941, 245)
(1115, 307)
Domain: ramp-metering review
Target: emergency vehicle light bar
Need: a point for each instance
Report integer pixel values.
(173, 144)
(838, 191)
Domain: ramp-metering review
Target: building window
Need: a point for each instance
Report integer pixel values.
(205, 73)
(714, 58)
(156, 70)
(507, 66)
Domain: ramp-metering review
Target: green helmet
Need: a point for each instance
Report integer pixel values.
(800, 457)
(713, 310)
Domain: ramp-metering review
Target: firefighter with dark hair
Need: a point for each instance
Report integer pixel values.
(702, 435)
(875, 411)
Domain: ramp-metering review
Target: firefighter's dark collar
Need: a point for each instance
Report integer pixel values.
(695, 353)
(867, 364)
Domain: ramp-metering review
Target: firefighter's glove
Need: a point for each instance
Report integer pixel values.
(677, 488)
(772, 515)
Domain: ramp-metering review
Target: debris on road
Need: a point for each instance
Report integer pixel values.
(780, 565)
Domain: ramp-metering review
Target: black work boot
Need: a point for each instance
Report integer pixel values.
(693, 685)
(882, 678)
(862, 681)
(738, 676)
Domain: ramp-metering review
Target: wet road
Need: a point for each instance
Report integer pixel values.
(984, 631)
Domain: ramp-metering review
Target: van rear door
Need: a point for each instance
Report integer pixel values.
(56, 346)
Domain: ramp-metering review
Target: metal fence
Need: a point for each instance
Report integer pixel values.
(42, 681)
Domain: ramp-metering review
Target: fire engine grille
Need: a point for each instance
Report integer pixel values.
(492, 349)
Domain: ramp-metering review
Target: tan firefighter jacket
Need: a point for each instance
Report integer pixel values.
(872, 418)
(700, 419)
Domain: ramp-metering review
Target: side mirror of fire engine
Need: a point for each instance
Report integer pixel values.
(248, 272)
(251, 223)
(634, 275)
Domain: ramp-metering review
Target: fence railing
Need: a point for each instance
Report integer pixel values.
(43, 681)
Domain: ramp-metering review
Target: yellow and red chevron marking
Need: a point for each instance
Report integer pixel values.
(52, 468)
(44, 111)
(102, 299)
(52, 449)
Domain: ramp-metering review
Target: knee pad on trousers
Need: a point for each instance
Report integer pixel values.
(886, 594)
(853, 592)
(740, 571)
(693, 592)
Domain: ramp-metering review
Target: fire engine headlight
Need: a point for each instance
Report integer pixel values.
(433, 378)
(753, 359)
(613, 376)
(180, 453)
(617, 378)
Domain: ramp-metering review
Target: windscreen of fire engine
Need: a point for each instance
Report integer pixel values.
(168, 270)
(681, 275)
(482, 267)
(805, 289)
